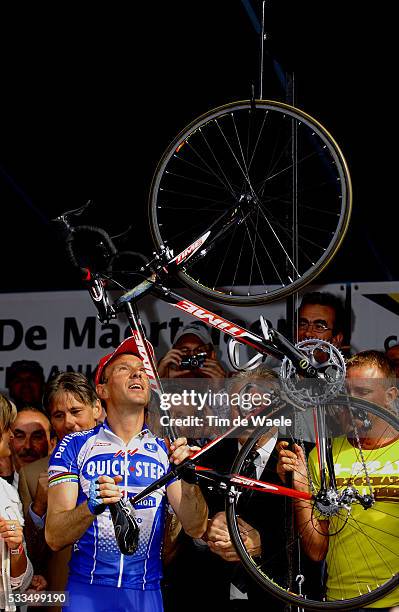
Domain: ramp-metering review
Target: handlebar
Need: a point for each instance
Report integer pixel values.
(93, 281)
(107, 242)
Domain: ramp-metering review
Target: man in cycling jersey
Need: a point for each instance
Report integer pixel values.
(118, 458)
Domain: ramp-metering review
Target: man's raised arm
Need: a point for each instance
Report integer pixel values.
(186, 499)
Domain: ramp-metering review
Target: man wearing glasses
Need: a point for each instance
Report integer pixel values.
(321, 315)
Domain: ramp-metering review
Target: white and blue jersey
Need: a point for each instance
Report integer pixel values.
(84, 456)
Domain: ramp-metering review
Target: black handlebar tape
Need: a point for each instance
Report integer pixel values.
(87, 229)
(71, 254)
(98, 230)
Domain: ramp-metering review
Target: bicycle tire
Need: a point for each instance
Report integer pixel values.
(290, 169)
(262, 572)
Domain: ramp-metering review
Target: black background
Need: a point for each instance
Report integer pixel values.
(91, 94)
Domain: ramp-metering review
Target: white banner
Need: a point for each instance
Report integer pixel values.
(61, 331)
(376, 315)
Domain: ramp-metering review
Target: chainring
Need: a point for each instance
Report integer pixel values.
(329, 364)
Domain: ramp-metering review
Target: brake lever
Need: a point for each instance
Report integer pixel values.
(76, 211)
(63, 221)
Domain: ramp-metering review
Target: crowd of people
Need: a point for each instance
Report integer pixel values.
(70, 448)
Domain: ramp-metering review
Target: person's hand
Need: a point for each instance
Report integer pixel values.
(219, 542)
(108, 489)
(217, 530)
(292, 462)
(38, 583)
(180, 450)
(218, 538)
(11, 532)
(250, 536)
(102, 492)
(169, 365)
(212, 368)
(39, 505)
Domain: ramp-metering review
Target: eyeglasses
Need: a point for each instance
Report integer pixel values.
(316, 326)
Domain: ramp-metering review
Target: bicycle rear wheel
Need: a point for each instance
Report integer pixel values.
(362, 562)
(286, 176)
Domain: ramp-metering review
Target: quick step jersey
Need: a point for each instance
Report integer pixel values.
(84, 456)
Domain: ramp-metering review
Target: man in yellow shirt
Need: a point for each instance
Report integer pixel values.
(360, 546)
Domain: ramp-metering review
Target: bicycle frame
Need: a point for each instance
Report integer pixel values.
(273, 343)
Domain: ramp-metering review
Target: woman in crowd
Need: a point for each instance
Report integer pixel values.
(16, 569)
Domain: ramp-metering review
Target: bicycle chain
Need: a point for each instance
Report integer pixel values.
(302, 445)
(361, 453)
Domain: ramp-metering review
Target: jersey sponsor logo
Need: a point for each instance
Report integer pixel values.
(109, 466)
(372, 467)
(149, 470)
(106, 467)
(375, 481)
(122, 453)
(151, 447)
(65, 440)
(147, 502)
(385, 488)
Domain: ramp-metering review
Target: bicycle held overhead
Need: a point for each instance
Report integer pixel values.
(246, 202)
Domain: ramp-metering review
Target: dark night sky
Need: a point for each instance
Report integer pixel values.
(91, 95)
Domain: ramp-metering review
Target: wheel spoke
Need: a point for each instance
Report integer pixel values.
(241, 157)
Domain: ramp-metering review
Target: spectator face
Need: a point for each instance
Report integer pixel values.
(31, 437)
(317, 321)
(68, 414)
(393, 356)
(368, 383)
(26, 388)
(126, 383)
(190, 344)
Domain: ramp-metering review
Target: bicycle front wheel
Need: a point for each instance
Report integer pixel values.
(360, 562)
(284, 174)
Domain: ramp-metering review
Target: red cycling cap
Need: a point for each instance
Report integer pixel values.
(128, 346)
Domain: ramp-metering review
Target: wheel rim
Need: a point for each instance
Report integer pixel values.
(289, 179)
(366, 524)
